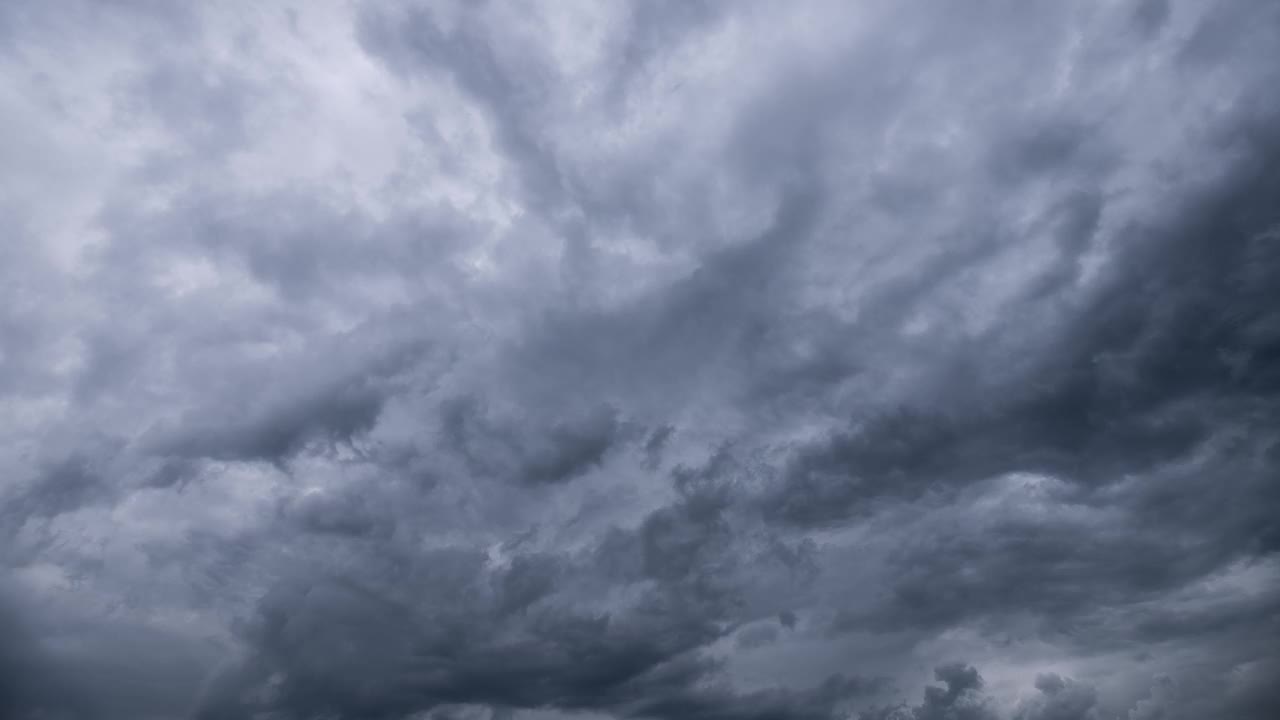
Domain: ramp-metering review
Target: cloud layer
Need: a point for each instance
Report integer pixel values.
(682, 360)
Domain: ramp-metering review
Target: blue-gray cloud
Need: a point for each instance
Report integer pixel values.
(676, 360)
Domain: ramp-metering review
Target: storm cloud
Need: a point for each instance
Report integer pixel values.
(679, 360)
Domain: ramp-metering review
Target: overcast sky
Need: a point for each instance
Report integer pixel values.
(876, 360)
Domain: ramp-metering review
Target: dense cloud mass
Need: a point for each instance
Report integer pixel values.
(880, 360)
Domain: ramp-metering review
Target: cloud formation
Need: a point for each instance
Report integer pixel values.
(680, 360)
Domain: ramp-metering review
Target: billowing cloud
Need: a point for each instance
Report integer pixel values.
(671, 360)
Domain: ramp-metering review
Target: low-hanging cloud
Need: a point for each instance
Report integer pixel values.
(680, 360)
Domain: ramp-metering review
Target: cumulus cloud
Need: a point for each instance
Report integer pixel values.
(673, 360)
(1060, 699)
(958, 697)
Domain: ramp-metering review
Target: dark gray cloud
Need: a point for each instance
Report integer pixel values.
(1178, 341)
(682, 360)
(338, 648)
(78, 670)
(1060, 699)
(960, 696)
(522, 450)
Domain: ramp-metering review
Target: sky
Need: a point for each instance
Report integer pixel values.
(669, 359)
